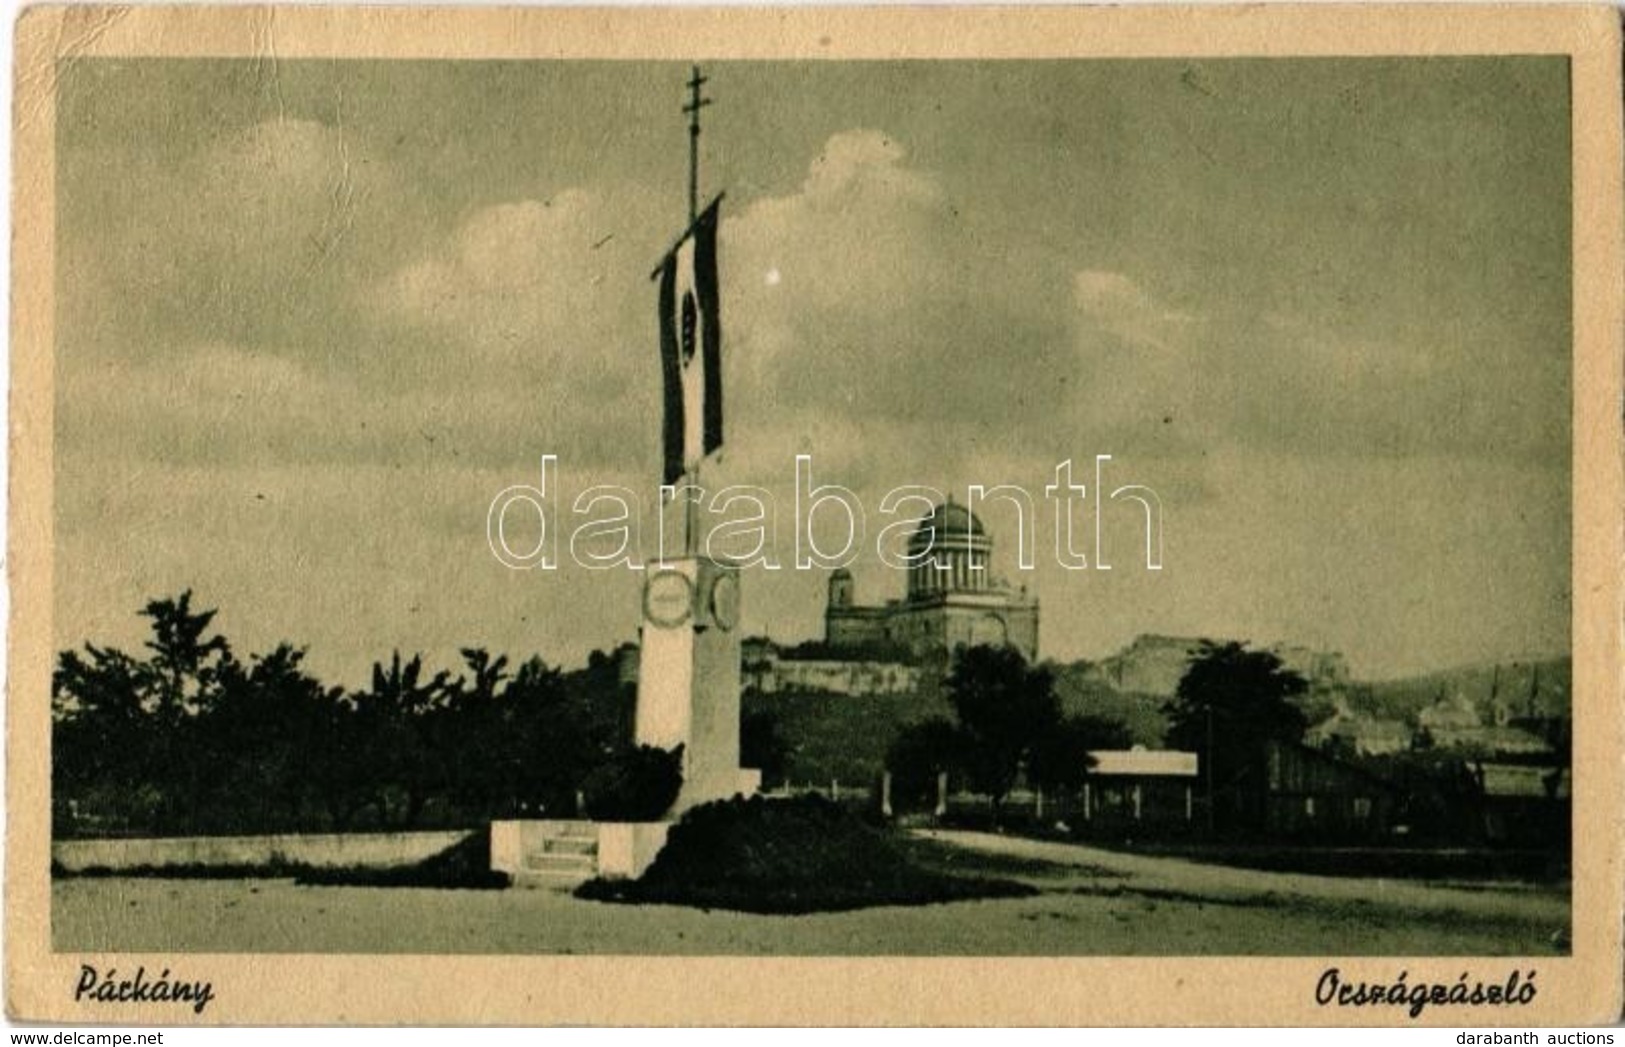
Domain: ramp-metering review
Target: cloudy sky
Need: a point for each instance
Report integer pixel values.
(313, 316)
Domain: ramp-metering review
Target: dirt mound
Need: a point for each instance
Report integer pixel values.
(788, 856)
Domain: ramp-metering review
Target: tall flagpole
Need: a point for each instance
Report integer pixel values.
(692, 108)
(695, 103)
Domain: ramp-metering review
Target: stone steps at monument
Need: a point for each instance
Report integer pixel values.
(567, 855)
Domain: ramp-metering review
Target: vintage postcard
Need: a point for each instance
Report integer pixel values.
(873, 515)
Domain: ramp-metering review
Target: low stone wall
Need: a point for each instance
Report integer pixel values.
(323, 850)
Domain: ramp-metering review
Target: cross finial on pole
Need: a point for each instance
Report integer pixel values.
(692, 108)
(695, 103)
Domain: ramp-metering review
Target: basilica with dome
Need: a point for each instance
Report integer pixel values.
(951, 600)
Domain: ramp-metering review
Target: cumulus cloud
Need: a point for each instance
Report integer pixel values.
(255, 237)
(885, 310)
(1142, 383)
(865, 168)
(544, 275)
(283, 191)
(858, 233)
(1119, 305)
(229, 407)
(531, 323)
(1166, 379)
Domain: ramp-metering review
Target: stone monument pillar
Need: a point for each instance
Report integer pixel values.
(689, 675)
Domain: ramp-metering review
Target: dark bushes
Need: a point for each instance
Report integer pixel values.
(635, 785)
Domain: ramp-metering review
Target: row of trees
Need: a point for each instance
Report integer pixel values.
(187, 736)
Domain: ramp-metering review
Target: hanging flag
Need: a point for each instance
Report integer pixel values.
(691, 347)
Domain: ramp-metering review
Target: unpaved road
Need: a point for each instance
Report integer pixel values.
(1092, 902)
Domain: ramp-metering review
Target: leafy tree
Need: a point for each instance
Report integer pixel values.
(475, 728)
(488, 673)
(101, 739)
(399, 720)
(125, 728)
(604, 707)
(1230, 705)
(104, 684)
(561, 726)
(918, 755)
(341, 779)
(541, 742)
(1005, 708)
(264, 745)
(762, 745)
(1008, 722)
(185, 671)
(185, 663)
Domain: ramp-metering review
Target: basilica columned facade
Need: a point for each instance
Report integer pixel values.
(951, 599)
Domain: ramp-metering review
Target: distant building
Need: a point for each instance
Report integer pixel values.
(1450, 713)
(1350, 731)
(1129, 788)
(1308, 793)
(771, 674)
(1488, 741)
(1360, 735)
(1455, 723)
(1525, 805)
(1323, 669)
(1524, 781)
(951, 601)
(626, 664)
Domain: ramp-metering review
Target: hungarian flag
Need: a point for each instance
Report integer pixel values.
(691, 347)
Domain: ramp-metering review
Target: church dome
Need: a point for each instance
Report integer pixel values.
(960, 549)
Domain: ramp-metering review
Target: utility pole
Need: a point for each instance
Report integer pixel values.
(1207, 758)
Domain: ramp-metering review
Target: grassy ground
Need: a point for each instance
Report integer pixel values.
(1090, 903)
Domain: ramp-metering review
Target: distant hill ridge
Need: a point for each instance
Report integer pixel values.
(1146, 673)
(1538, 689)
